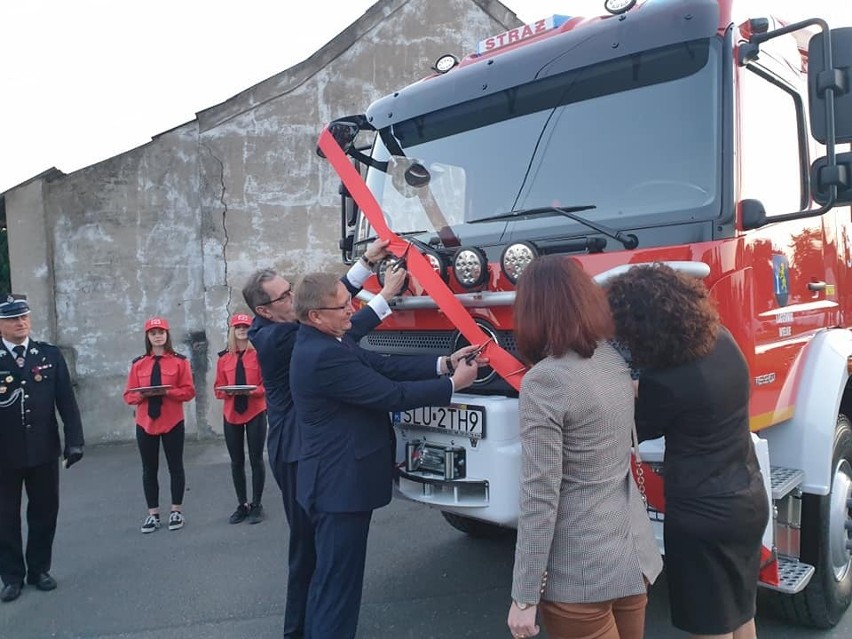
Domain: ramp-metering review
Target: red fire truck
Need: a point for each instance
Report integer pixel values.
(682, 132)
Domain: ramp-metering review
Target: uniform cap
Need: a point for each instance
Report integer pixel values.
(156, 322)
(14, 307)
(240, 319)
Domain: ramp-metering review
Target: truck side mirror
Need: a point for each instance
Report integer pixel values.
(348, 216)
(753, 214)
(346, 244)
(823, 177)
(348, 208)
(839, 78)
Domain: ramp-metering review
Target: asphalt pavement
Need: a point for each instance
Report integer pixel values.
(424, 580)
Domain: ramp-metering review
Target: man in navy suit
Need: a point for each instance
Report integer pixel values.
(342, 395)
(273, 333)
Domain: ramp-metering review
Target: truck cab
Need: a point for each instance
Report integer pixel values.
(686, 132)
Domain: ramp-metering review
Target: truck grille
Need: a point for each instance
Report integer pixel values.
(423, 342)
(438, 343)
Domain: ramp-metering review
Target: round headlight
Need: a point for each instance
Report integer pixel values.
(446, 63)
(516, 257)
(437, 263)
(382, 268)
(618, 6)
(470, 266)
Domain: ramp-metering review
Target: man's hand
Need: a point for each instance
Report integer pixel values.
(464, 374)
(377, 251)
(473, 351)
(394, 282)
(72, 455)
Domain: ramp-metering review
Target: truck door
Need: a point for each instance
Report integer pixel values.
(793, 293)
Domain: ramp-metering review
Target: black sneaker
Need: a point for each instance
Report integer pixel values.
(240, 514)
(175, 520)
(151, 523)
(255, 515)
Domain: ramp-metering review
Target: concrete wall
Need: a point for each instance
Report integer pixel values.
(174, 227)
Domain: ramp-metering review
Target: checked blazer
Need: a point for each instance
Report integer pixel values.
(582, 521)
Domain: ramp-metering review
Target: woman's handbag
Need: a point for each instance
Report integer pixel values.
(649, 481)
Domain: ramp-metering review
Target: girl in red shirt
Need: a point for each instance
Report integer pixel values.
(244, 416)
(159, 383)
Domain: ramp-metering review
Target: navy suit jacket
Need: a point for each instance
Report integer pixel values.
(274, 342)
(30, 396)
(342, 395)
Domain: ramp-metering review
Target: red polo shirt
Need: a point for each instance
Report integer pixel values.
(226, 375)
(175, 372)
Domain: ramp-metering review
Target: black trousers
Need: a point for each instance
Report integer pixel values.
(254, 432)
(149, 450)
(301, 557)
(42, 485)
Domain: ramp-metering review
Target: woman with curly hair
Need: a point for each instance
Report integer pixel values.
(585, 550)
(694, 390)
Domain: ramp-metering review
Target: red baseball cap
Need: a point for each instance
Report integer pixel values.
(156, 322)
(240, 319)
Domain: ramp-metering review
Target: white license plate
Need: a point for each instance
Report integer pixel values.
(463, 419)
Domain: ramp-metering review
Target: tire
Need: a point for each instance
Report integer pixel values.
(822, 603)
(475, 527)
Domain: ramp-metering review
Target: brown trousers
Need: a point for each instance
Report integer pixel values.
(617, 619)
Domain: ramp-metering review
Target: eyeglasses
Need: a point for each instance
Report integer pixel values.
(335, 308)
(283, 296)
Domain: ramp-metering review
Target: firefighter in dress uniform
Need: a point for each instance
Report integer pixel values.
(34, 385)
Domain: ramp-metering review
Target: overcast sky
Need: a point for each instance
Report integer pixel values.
(83, 80)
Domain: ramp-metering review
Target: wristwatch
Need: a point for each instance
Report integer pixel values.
(448, 362)
(523, 606)
(367, 261)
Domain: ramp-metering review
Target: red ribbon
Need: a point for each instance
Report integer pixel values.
(501, 361)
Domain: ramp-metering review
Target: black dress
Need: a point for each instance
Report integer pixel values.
(716, 504)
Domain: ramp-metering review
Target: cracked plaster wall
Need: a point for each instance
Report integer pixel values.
(175, 227)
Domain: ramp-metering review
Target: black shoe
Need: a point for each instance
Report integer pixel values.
(11, 592)
(240, 514)
(42, 581)
(255, 515)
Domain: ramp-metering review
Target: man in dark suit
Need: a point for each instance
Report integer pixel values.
(342, 395)
(34, 384)
(273, 333)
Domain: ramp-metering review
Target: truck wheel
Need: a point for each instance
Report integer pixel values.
(824, 536)
(475, 527)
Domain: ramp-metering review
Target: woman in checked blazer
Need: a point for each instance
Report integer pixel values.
(585, 551)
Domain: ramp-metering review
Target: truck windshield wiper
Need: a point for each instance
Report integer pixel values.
(405, 234)
(628, 240)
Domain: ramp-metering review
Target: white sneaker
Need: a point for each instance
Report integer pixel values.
(151, 523)
(175, 520)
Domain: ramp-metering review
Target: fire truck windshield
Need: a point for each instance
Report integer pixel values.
(638, 136)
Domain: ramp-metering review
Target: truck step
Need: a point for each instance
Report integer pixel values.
(784, 480)
(793, 576)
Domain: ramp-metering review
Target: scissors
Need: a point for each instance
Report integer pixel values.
(475, 353)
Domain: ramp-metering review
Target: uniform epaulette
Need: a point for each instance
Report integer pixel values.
(180, 356)
(225, 352)
(136, 359)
